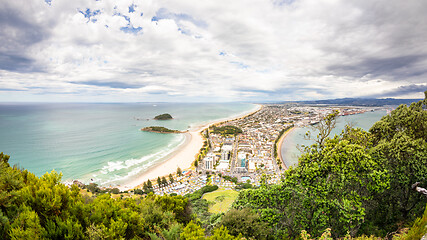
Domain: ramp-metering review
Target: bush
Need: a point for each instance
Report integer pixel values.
(138, 191)
(115, 191)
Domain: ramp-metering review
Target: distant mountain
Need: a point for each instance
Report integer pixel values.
(359, 101)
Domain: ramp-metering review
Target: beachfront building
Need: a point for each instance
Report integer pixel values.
(224, 165)
(251, 166)
(225, 155)
(241, 157)
(228, 147)
(209, 162)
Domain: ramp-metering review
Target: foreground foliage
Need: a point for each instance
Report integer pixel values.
(354, 183)
(43, 208)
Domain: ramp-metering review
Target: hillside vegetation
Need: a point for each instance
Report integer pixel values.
(165, 116)
(227, 130)
(353, 184)
(158, 129)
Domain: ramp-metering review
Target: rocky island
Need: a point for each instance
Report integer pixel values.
(165, 116)
(158, 129)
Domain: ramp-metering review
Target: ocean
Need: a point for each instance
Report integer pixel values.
(294, 139)
(99, 142)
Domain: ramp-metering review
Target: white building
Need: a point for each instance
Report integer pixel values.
(227, 147)
(209, 162)
(223, 165)
(251, 167)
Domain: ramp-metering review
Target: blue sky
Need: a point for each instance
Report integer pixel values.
(211, 51)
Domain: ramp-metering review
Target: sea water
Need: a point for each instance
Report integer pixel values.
(99, 143)
(295, 140)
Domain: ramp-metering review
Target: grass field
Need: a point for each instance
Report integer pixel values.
(222, 200)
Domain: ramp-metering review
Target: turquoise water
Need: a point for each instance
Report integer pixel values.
(290, 151)
(102, 142)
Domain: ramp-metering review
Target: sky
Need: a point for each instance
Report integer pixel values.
(211, 50)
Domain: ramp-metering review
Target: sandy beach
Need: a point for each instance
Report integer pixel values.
(279, 146)
(184, 156)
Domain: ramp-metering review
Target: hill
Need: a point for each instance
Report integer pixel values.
(158, 129)
(165, 116)
(372, 102)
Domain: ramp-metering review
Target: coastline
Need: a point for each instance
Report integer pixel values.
(279, 146)
(184, 156)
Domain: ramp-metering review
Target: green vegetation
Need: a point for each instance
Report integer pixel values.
(357, 182)
(165, 116)
(43, 208)
(246, 222)
(347, 186)
(417, 231)
(221, 199)
(158, 129)
(227, 130)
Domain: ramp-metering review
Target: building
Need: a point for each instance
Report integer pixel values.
(209, 162)
(223, 165)
(252, 166)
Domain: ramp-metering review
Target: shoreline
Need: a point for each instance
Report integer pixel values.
(184, 156)
(279, 146)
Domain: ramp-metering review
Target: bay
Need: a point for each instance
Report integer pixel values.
(99, 142)
(295, 139)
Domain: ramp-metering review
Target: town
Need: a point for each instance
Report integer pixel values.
(247, 150)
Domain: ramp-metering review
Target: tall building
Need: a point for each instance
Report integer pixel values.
(208, 163)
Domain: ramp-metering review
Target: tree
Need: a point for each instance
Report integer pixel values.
(401, 148)
(27, 225)
(145, 187)
(164, 181)
(179, 171)
(192, 232)
(196, 163)
(332, 186)
(159, 182)
(324, 128)
(222, 233)
(171, 178)
(245, 222)
(44, 208)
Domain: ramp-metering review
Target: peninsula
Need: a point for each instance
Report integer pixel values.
(165, 116)
(158, 129)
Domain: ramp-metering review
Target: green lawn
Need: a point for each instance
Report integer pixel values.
(222, 199)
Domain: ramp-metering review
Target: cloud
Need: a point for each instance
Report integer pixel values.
(402, 91)
(243, 50)
(394, 67)
(18, 33)
(119, 85)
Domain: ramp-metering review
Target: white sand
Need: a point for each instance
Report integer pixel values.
(183, 157)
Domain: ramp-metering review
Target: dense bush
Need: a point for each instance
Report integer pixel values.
(44, 208)
(354, 183)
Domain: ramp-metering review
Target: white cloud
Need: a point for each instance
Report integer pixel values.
(211, 50)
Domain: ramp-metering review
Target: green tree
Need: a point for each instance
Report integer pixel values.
(27, 225)
(164, 181)
(222, 233)
(324, 128)
(245, 222)
(192, 232)
(159, 182)
(171, 180)
(401, 148)
(179, 172)
(332, 186)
